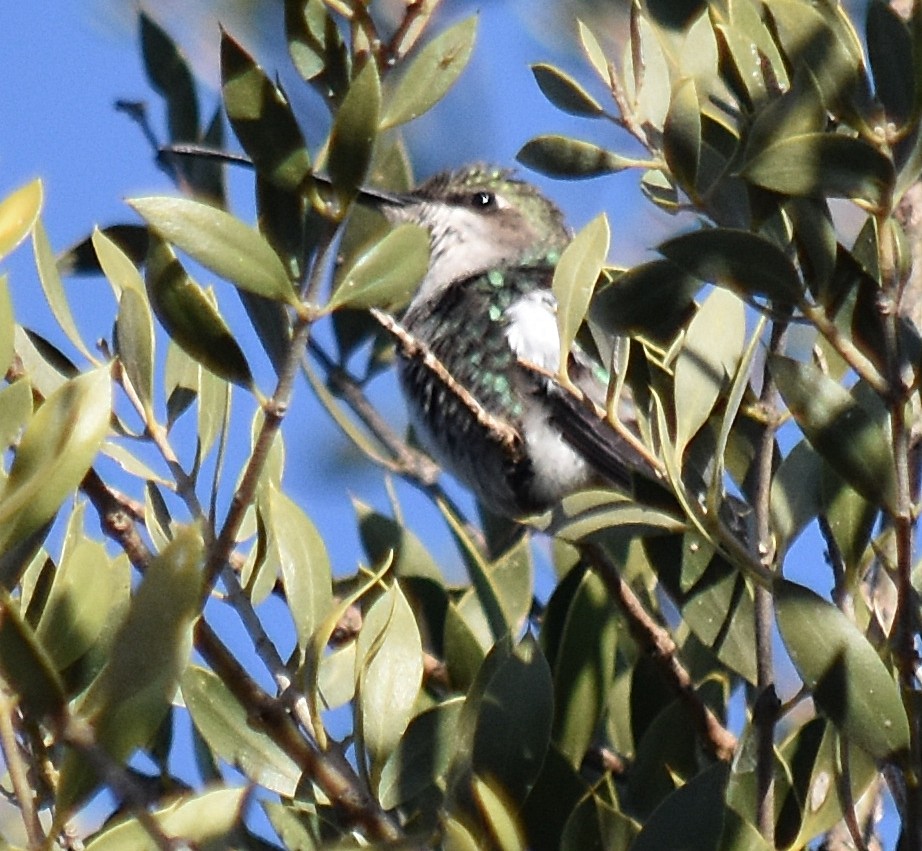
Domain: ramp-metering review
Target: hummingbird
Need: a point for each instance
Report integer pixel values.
(479, 349)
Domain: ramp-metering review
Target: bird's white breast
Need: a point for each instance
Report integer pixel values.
(531, 330)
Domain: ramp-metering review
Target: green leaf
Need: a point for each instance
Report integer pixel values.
(355, 128)
(221, 243)
(7, 325)
(53, 288)
(584, 667)
(387, 273)
(700, 802)
(439, 64)
(15, 411)
(709, 356)
(564, 92)
(18, 215)
(381, 534)
(27, 669)
(648, 86)
(190, 318)
(594, 52)
(127, 701)
(234, 735)
(574, 279)
(682, 135)
(500, 816)
(824, 165)
(796, 495)
(170, 76)
(574, 159)
(890, 51)
(293, 823)
(583, 515)
(422, 756)
(120, 270)
(296, 550)
(209, 820)
(85, 587)
(262, 119)
(57, 448)
(854, 441)
(849, 683)
(134, 343)
(389, 671)
(743, 262)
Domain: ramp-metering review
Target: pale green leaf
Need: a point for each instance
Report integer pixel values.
(18, 214)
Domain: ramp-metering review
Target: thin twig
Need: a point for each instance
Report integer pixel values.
(660, 646)
(19, 774)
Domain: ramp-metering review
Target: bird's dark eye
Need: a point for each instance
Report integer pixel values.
(483, 200)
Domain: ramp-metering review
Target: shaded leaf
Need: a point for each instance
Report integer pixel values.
(575, 276)
(262, 118)
(57, 448)
(796, 495)
(565, 92)
(190, 318)
(170, 76)
(840, 429)
(849, 683)
(824, 165)
(18, 214)
(682, 135)
(316, 45)
(387, 273)
(220, 242)
(134, 343)
(741, 261)
(890, 52)
(234, 735)
(439, 64)
(561, 156)
(355, 127)
(129, 698)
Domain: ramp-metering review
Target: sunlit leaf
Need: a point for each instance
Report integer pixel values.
(234, 736)
(18, 213)
(387, 273)
(846, 677)
(439, 63)
(134, 339)
(56, 450)
(220, 242)
(574, 279)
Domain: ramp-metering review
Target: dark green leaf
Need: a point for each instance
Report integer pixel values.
(824, 165)
(561, 156)
(169, 74)
(565, 92)
(316, 45)
(262, 119)
(682, 135)
(741, 261)
(890, 51)
(134, 343)
(853, 440)
(191, 319)
(439, 64)
(221, 243)
(849, 683)
(796, 496)
(355, 128)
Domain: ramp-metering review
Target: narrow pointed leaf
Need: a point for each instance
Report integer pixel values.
(262, 118)
(134, 339)
(170, 75)
(839, 428)
(190, 318)
(58, 447)
(574, 279)
(562, 156)
(120, 270)
(220, 242)
(387, 273)
(439, 63)
(848, 681)
(18, 213)
(355, 128)
(682, 135)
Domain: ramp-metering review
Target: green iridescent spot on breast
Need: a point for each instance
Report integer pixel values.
(495, 277)
(495, 313)
(500, 384)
